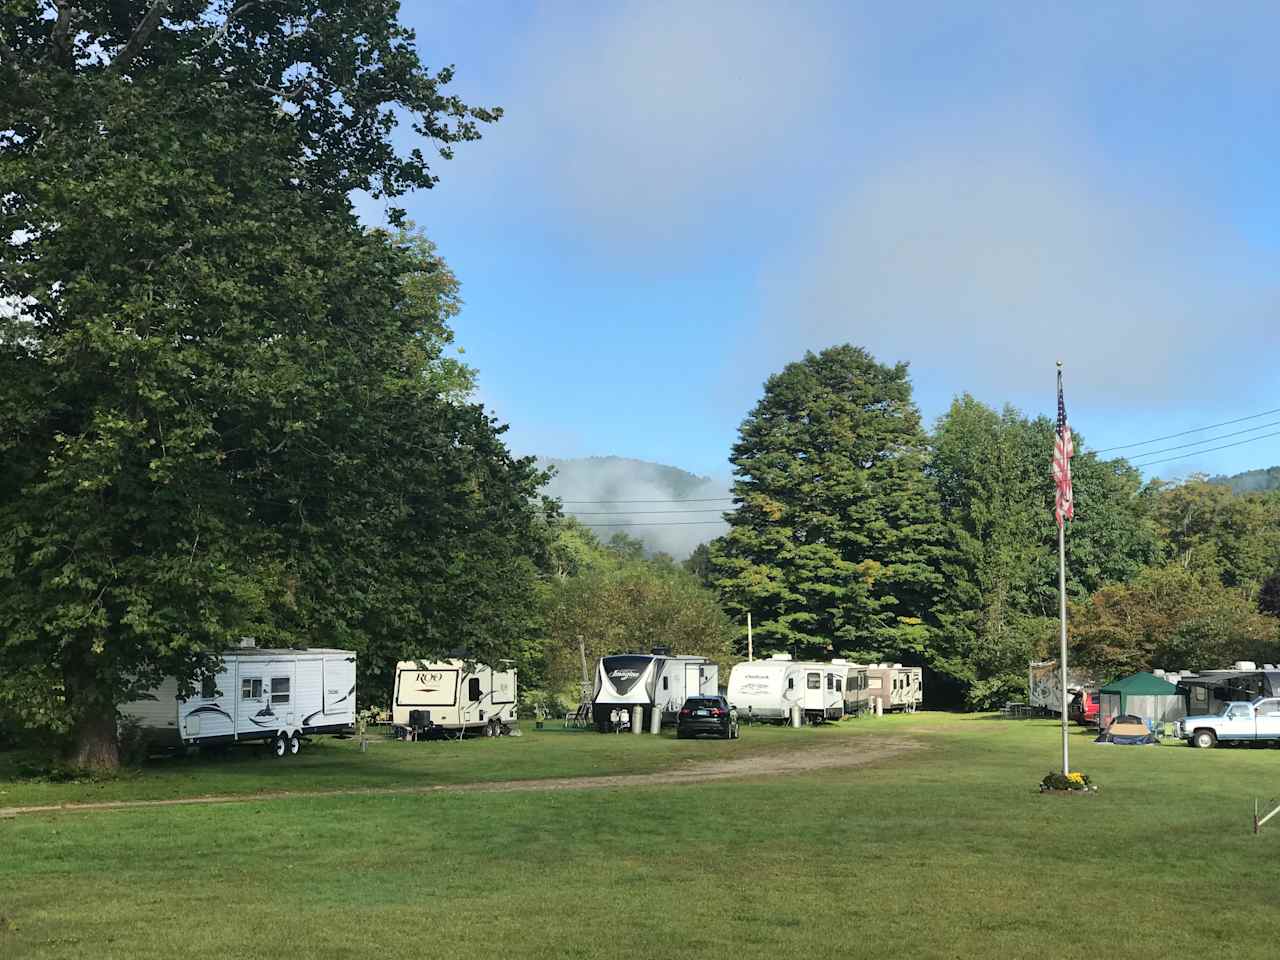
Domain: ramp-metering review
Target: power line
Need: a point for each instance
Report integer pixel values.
(1197, 443)
(1171, 436)
(656, 500)
(1225, 446)
(638, 513)
(652, 523)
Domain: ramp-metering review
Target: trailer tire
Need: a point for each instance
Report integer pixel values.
(295, 744)
(490, 728)
(280, 746)
(1204, 739)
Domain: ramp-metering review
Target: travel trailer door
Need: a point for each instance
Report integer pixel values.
(813, 692)
(692, 681)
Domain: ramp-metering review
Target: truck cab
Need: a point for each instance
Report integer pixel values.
(1236, 722)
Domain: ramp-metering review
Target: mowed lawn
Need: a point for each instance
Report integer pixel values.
(946, 851)
(327, 763)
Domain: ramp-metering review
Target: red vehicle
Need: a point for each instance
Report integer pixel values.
(1083, 708)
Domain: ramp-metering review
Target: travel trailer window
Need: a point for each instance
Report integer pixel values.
(473, 688)
(791, 683)
(279, 689)
(831, 682)
(814, 681)
(874, 682)
(208, 689)
(666, 683)
(251, 688)
(838, 687)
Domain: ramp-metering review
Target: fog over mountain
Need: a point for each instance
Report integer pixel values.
(601, 492)
(1252, 481)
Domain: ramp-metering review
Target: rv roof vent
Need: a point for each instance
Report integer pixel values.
(1246, 665)
(839, 660)
(661, 651)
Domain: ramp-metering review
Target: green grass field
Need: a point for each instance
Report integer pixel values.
(944, 851)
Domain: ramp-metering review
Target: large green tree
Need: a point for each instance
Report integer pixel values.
(833, 545)
(223, 406)
(991, 471)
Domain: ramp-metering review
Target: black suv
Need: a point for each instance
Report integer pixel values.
(711, 715)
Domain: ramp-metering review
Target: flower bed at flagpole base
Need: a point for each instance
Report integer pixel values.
(1067, 783)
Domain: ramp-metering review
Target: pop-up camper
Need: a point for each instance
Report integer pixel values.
(259, 694)
(459, 696)
(649, 680)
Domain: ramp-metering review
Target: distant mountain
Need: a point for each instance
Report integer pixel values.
(1252, 481)
(602, 493)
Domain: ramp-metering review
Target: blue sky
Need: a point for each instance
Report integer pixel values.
(685, 196)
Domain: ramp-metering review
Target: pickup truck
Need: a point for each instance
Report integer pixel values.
(1238, 722)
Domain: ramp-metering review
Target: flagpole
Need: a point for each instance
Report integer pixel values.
(1062, 603)
(1062, 612)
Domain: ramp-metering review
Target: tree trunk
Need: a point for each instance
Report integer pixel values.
(95, 741)
(96, 746)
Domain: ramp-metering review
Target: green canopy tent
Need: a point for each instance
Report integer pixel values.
(1140, 695)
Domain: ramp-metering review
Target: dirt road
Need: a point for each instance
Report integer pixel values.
(851, 752)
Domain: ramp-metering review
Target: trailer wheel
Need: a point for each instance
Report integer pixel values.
(295, 744)
(280, 746)
(1204, 739)
(489, 730)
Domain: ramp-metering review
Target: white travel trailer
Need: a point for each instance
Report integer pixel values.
(275, 695)
(768, 689)
(459, 696)
(896, 687)
(651, 681)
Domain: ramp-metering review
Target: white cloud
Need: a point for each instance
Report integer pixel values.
(982, 255)
(644, 119)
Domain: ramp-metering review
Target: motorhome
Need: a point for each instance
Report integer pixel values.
(895, 687)
(656, 680)
(435, 697)
(768, 689)
(258, 694)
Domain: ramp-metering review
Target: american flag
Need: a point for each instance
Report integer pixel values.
(1063, 451)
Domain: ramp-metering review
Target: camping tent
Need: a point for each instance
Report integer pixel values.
(1142, 695)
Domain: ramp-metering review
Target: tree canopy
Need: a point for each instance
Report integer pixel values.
(834, 543)
(226, 408)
